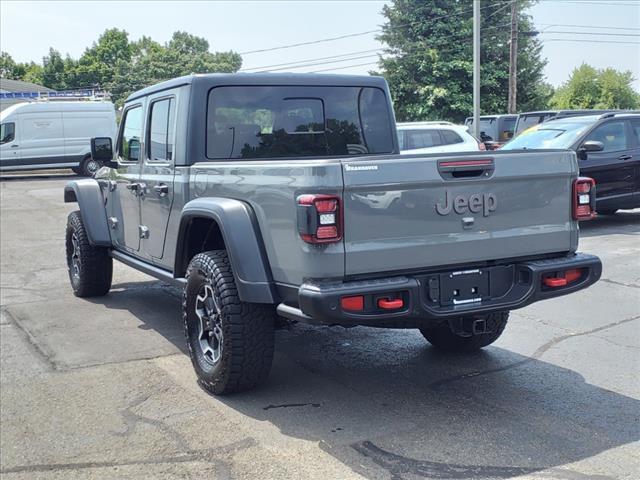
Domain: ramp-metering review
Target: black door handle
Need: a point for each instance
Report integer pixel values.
(625, 157)
(15, 146)
(161, 189)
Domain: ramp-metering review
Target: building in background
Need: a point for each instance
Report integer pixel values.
(16, 91)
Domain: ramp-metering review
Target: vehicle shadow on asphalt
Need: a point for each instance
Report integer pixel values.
(386, 404)
(626, 222)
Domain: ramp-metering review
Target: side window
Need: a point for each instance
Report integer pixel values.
(635, 125)
(160, 131)
(422, 139)
(129, 147)
(612, 135)
(7, 132)
(450, 137)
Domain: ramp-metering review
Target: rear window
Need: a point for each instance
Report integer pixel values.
(416, 139)
(275, 122)
(450, 137)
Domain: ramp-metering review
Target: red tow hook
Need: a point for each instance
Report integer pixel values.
(568, 277)
(555, 282)
(387, 304)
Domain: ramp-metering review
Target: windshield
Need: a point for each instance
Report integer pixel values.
(554, 134)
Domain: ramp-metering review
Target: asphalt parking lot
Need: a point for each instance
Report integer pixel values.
(102, 388)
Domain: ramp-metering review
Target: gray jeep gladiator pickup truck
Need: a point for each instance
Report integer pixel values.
(266, 194)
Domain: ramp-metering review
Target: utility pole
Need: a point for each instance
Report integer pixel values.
(476, 68)
(513, 59)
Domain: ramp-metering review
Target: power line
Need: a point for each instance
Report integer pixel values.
(342, 68)
(310, 60)
(368, 32)
(324, 63)
(587, 41)
(586, 26)
(587, 2)
(593, 33)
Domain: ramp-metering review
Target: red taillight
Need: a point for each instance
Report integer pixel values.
(584, 198)
(319, 218)
(355, 303)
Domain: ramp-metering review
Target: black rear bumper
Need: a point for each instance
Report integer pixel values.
(426, 298)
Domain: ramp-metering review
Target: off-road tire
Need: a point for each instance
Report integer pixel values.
(247, 328)
(94, 265)
(87, 166)
(442, 338)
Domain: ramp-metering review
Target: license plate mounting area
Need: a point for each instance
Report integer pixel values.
(464, 287)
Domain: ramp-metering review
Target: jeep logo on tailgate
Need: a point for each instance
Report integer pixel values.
(485, 203)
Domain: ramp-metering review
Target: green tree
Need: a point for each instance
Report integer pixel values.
(429, 60)
(120, 66)
(588, 87)
(53, 70)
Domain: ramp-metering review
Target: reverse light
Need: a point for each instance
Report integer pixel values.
(584, 198)
(319, 218)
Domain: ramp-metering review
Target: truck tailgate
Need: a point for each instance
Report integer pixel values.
(413, 212)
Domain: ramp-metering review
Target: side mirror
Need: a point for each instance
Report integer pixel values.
(102, 151)
(589, 146)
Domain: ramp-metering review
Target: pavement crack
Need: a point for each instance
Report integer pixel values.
(289, 405)
(31, 341)
(535, 356)
(210, 455)
(622, 284)
(132, 419)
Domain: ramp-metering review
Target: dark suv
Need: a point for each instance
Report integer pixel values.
(529, 119)
(608, 149)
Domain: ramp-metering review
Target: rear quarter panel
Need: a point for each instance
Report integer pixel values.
(271, 188)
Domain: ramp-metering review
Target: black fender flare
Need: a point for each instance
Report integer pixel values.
(241, 234)
(86, 192)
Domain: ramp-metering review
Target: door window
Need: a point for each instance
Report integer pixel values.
(160, 131)
(7, 132)
(422, 139)
(612, 135)
(129, 147)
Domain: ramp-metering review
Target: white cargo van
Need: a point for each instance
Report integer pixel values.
(54, 134)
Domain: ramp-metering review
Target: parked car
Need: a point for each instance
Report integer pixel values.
(250, 193)
(495, 130)
(435, 137)
(530, 119)
(608, 150)
(54, 134)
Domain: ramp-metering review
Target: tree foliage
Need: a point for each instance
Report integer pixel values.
(121, 66)
(429, 59)
(588, 87)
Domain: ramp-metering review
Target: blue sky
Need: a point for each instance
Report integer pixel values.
(28, 29)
